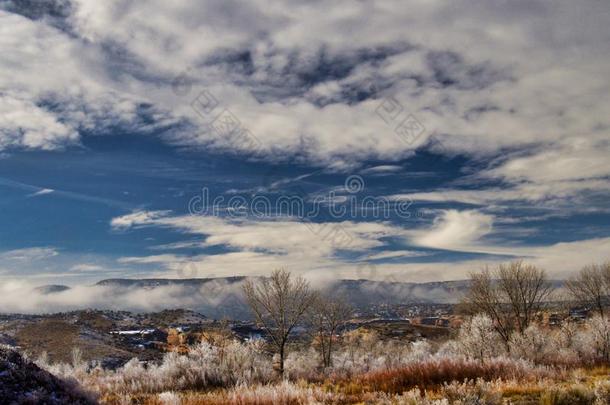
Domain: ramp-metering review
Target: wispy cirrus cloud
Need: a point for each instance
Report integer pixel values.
(42, 191)
(87, 267)
(29, 254)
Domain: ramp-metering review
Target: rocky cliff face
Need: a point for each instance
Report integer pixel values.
(23, 382)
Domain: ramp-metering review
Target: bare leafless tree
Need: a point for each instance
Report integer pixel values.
(325, 317)
(591, 286)
(483, 297)
(511, 295)
(278, 304)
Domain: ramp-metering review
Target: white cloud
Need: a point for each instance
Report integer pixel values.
(392, 254)
(136, 218)
(261, 246)
(42, 191)
(24, 124)
(29, 254)
(563, 175)
(573, 161)
(382, 169)
(87, 267)
(455, 230)
(530, 75)
(559, 193)
(282, 237)
(163, 259)
(53, 86)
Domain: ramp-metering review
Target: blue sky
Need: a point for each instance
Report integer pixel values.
(484, 127)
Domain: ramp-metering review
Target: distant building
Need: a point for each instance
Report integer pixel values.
(579, 314)
(247, 332)
(430, 320)
(132, 332)
(141, 338)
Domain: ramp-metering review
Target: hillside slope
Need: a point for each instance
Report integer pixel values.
(23, 382)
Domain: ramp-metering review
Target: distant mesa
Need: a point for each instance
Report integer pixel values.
(162, 282)
(361, 291)
(51, 289)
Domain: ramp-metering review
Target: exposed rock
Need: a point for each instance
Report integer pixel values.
(7, 340)
(23, 382)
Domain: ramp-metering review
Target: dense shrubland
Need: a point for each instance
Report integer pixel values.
(473, 364)
(570, 344)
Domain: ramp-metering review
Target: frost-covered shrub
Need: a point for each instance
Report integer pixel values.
(602, 392)
(358, 357)
(564, 346)
(361, 352)
(568, 345)
(594, 339)
(246, 362)
(449, 349)
(468, 393)
(477, 339)
(304, 364)
(420, 350)
(388, 368)
(169, 398)
(414, 397)
(203, 367)
(283, 393)
(533, 344)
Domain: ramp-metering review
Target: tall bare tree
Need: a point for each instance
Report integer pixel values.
(279, 304)
(325, 317)
(511, 295)
(591, 286)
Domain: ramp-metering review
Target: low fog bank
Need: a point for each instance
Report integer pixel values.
(215, 298)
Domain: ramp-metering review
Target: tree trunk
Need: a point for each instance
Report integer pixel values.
(282, 360)
(328, 358)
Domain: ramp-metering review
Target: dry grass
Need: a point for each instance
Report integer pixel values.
(283, 393)
(57, 338)
(431, 374)
(55, 334)
(538, 391)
